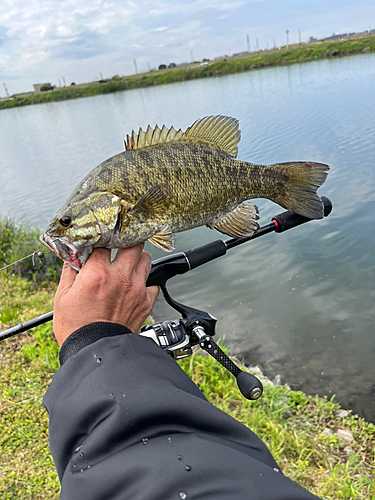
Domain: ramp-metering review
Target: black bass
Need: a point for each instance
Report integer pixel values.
(167, 181)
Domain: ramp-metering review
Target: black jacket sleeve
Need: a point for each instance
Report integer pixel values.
(125, 422)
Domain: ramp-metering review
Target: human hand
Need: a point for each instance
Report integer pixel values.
(113, 292)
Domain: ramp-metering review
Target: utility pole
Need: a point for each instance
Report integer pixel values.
(6, 90)
(191, 56)
(248, 43)
(135, 66)
(299, 36)
(274, 44)
(257, 44)
(287, 39)
(59, 82)
(101, 75)
(63, 79)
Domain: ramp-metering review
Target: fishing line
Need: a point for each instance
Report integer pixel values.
(32, 255)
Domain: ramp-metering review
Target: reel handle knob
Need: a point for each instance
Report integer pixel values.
(249, 385)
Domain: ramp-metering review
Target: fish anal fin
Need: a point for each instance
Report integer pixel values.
(154, 201)
(215, 132)
(165, 240)
(239, 223)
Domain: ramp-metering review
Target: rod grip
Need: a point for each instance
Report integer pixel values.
(206, 253)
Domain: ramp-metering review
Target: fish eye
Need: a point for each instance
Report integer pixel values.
(66, 220)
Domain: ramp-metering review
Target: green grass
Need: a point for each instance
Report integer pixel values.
(262, 59)
(18, 240)
(289, 422)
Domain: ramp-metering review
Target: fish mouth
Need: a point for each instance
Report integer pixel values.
(67, 251)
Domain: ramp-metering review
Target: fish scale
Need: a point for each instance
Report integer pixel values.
(169, 181)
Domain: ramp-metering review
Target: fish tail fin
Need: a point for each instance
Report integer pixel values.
(301, 181)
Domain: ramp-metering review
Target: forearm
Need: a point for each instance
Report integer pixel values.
(123, 412)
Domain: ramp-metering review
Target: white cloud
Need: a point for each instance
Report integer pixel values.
(44, 39)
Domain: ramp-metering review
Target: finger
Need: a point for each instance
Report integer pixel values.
(143, 267)
(127, 258)
(67, 278)
(153, 292)
(98, 256)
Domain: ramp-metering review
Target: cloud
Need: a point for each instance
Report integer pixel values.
(3, 34)
(45, 38)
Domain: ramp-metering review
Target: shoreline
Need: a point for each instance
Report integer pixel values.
(316, 443)
(297, 53)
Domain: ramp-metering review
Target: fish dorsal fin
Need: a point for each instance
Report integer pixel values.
(216, 132)
(153, 137)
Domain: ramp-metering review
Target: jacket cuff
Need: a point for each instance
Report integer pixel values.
(87, 335)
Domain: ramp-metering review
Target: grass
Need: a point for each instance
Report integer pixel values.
(289, 422)
(18, 240)
(275, 57)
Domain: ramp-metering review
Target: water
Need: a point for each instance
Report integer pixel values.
(301, 303)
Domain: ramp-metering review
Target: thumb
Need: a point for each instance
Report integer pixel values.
(67, 278)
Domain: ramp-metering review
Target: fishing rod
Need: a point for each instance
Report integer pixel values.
(177, 337)
(179, 263)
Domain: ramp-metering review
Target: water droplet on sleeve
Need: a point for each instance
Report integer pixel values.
(182, 495)
(188, 467)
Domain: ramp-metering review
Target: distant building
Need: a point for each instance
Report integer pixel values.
(38, 86)
(241, 53)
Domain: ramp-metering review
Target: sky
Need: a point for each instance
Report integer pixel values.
(52, 41)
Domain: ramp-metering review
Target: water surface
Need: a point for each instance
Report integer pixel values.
(301, 303)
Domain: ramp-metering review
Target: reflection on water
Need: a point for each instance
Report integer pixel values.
(301, 303)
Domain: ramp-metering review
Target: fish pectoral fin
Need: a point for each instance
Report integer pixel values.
(165, 240)
(155, 201)
(239, 223)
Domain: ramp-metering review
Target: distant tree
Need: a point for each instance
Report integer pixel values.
(44, 88)
(73, 83)
(162, 66)
(171, 65)
(205, 60)
(116, 77)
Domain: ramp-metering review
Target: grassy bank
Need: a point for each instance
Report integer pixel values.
(328, 451)
(276, 57)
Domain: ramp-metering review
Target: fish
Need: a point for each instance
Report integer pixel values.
(167, 181)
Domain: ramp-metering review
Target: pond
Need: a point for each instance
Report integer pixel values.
(300, 304)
